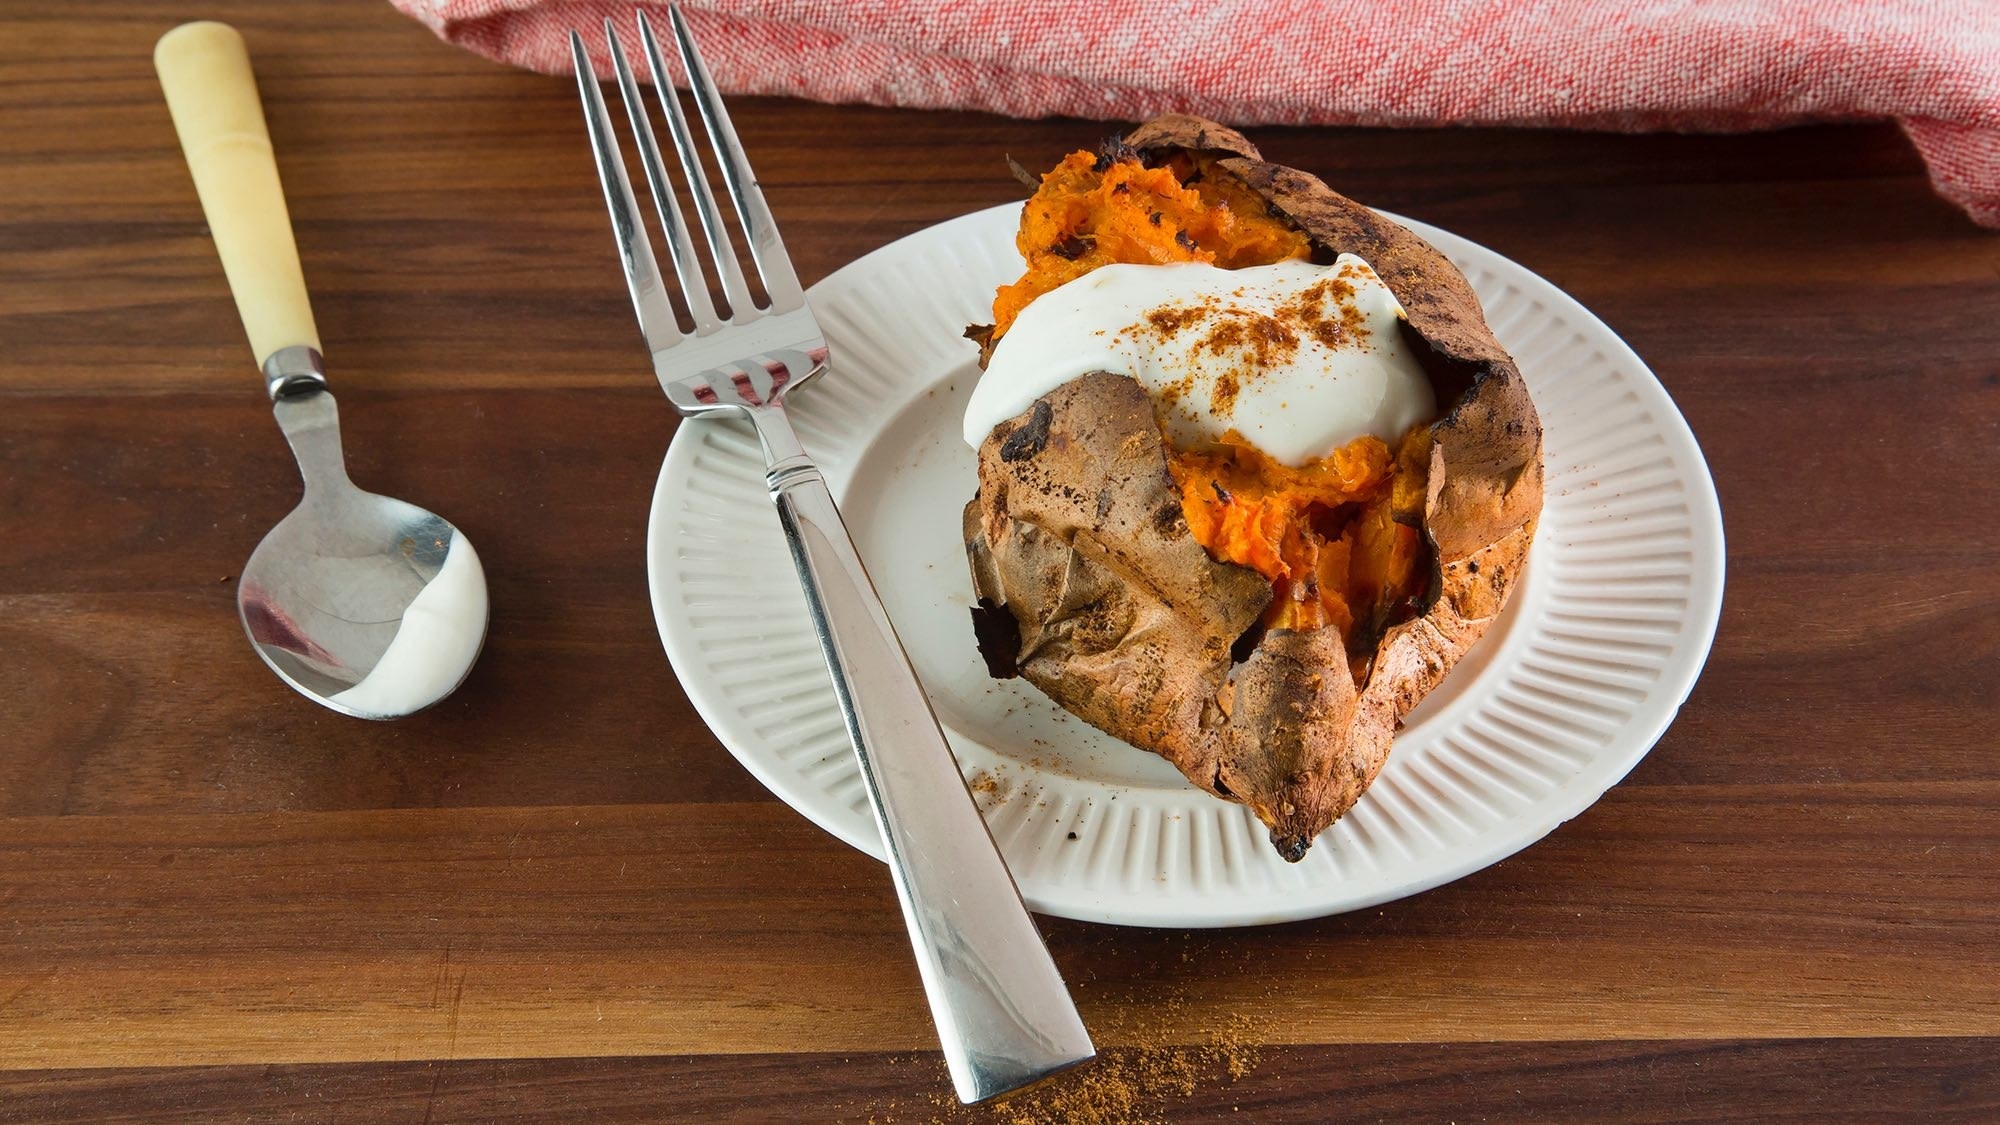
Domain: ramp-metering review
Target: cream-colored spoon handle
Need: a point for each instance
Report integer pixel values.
(212, 94)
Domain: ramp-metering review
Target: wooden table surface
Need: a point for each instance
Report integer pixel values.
(556, 897)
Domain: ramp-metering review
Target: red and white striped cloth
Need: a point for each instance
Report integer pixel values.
(1632, 65)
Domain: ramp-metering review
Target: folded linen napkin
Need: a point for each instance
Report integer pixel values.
(1689, 65)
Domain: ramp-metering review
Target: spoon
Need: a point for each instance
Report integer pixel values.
(367, 605)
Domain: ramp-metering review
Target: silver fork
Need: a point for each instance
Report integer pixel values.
(1003, 1015)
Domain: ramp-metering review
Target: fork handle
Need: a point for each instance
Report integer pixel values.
(1003, 1015)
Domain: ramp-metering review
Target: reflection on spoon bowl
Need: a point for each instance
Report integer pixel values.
(369, 605)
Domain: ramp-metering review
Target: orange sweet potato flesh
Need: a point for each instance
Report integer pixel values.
(1095, 584)
(1319, 532)
(1093, 210)
(1302, 527)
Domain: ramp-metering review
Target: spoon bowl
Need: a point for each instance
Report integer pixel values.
(368, 605)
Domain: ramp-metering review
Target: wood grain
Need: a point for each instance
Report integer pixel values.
(678, 929)
(556, 896)
(1803, 1081)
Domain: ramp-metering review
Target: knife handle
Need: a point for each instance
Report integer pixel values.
(205, 72)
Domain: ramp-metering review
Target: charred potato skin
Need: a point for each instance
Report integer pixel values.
(1076, 535)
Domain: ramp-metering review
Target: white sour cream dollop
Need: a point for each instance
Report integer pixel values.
(435, 644)
(1298, 358)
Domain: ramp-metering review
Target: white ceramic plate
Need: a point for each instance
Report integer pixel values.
(1604, 637)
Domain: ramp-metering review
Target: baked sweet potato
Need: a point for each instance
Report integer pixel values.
(1093, 587)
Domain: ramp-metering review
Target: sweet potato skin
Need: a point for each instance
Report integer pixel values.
(1122, 618)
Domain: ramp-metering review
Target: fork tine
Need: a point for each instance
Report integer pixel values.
(720, 247)
(766, 248)
(679, 243)
(635, 250)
